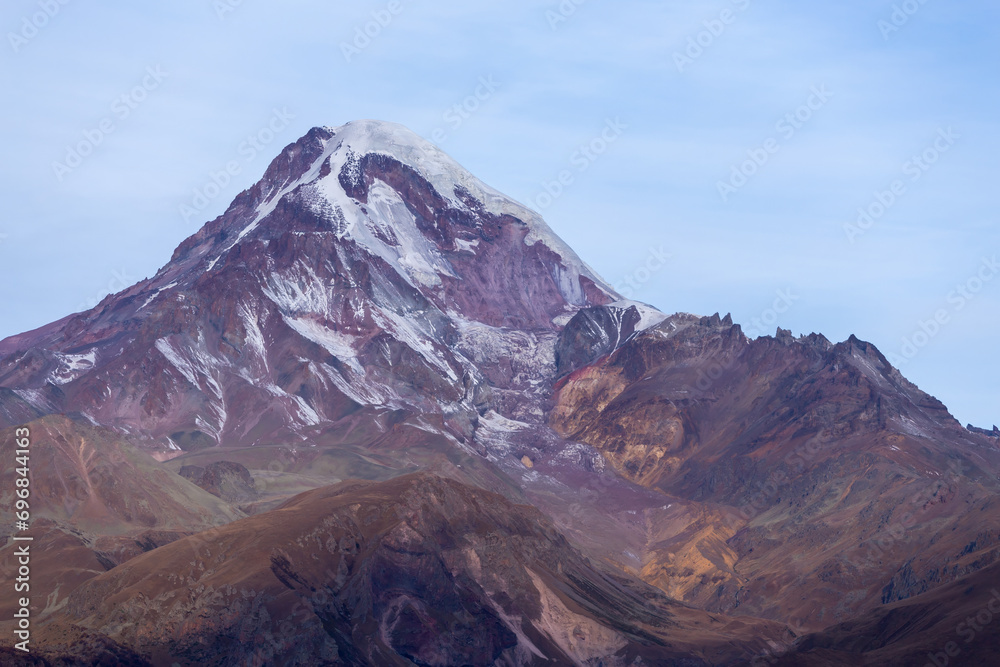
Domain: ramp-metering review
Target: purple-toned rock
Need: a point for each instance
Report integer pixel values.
(367, 271)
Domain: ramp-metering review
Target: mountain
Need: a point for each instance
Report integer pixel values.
(96, 501)
(845, 487)
(373, 359)
(954, 624)
(367, 272)
(417, 570)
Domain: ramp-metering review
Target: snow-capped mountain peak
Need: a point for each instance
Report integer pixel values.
(372, 182)
(366, 268)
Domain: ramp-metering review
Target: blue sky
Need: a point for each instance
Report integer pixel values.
(748, 134)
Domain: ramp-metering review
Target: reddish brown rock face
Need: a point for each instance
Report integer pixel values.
(825, 469)
(953, 624)
(87, 476)
(418, 570)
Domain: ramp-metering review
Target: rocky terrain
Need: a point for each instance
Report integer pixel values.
(836, 485)
(954, 624)
(378, 413)
(416, 570)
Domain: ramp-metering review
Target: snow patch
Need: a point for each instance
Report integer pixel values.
(298, 291)
(461, 245)
(384, 227)
(255, 337)
(910, 427)
(865, 365)
(446, 176)
(496, 422)
(157, 293)
(407, 331)
(307, 413)
(177, 361)
(73, 366)
(192, 364)
(336, 343)
(648, 316)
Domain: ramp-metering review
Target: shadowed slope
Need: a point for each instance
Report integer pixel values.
(416, 570)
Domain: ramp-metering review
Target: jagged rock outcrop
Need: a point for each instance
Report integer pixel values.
(829, 469)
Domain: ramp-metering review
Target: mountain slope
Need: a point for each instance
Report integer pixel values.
(95, 502)
(365, 271)
(370, 310)
(417, 570)
(845, 485)
(953, 624)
